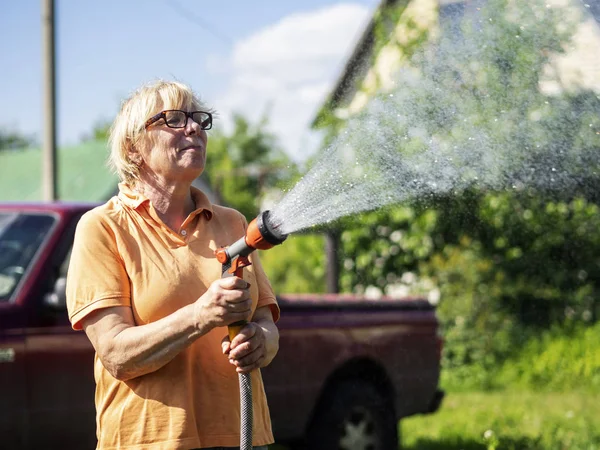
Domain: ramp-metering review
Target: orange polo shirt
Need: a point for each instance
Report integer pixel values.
(124, 255)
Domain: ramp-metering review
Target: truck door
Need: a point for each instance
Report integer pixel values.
(13, 417)
(22, 236)
(60, 364)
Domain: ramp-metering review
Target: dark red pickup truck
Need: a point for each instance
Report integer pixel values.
(348, 369)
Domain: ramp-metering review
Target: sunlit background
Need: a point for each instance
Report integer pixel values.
(443, 149)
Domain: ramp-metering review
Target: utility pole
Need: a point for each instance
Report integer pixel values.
(49, 184)
(332, 276)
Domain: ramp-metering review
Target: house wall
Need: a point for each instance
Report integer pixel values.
(418, 22)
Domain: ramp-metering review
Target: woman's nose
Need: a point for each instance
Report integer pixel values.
(192, 127)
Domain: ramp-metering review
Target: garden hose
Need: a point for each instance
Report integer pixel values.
(259, 235)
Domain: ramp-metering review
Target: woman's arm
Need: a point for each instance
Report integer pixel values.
(128, 351)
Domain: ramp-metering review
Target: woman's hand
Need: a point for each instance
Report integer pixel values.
(226, 301)
(256, 344)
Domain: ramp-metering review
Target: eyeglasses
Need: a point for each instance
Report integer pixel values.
(175, 118)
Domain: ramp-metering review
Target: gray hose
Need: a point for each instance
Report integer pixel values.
(246, 415)
(246, 412)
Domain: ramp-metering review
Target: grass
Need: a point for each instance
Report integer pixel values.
(507, 420)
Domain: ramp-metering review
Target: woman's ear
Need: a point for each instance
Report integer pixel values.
(135, 157)
(133, 154)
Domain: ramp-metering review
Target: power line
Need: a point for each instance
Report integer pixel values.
(194, 18)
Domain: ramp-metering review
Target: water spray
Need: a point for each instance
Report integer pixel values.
(261, 234)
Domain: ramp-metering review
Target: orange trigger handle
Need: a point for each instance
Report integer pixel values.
(238, 265)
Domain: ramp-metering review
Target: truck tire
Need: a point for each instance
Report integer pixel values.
(354, 415)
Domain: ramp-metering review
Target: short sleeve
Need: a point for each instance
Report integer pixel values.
(96, 277)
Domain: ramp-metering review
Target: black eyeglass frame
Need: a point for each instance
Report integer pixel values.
(188, 115)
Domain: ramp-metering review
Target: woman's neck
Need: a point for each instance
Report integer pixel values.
(172, 201)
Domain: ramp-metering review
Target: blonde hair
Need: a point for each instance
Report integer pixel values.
(128, 127)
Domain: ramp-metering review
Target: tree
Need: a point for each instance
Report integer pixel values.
(100, 131)
(12, 140)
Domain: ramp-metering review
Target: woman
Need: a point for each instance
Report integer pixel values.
(145, 286)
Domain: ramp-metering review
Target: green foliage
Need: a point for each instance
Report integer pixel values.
(101, 130)
(523, 265)
(375, 245)
(297, 266)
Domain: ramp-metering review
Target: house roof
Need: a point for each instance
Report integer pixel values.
(82, 175)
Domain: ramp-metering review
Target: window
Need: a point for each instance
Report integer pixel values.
(21, 236)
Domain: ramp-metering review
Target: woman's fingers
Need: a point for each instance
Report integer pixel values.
(249, 361)
(226, 301)
(247, 350)
(233, 283)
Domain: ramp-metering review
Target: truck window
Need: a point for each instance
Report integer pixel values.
(21, 236)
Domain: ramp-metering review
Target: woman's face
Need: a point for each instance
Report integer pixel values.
(173, 154)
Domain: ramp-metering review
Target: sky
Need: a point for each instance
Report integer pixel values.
(275, 57)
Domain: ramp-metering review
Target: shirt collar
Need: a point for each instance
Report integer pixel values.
(202, 202)
(134, 200)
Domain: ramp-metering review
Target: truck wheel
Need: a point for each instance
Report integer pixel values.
(354, 416)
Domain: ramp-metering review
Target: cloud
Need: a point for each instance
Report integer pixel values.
(290, 67)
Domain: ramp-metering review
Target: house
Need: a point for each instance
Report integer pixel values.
(399, 27)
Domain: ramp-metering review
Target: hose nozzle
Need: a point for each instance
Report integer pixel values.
(261, 235)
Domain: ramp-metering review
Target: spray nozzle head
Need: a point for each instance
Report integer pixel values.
(262, 234)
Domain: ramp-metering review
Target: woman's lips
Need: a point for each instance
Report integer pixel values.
(192, 147)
